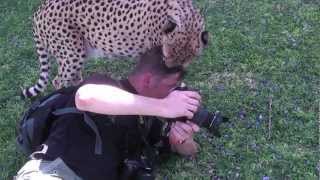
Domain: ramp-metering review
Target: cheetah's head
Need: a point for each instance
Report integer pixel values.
(184, 36)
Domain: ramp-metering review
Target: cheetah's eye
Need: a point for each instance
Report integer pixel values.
(205, 37)
(170, 26)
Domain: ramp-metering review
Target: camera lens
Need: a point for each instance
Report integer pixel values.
(201, 117)
(209, 120)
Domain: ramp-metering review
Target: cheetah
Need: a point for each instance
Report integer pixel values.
(73, 30)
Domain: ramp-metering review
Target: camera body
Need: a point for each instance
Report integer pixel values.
(205, 118)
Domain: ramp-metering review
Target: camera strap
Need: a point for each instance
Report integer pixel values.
(148, 151)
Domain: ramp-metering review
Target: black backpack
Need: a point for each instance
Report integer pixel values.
(33, 128)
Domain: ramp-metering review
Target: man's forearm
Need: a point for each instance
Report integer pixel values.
(104, 99)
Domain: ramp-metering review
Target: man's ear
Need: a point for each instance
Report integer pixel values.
(146, 80)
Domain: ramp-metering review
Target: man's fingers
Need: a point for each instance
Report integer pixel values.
(186, 127)
(181, 104)
(194, 126)
(192, 108)
(193, 94)
(189, 114)
(182, 133)
(176, 135)
(193, 102)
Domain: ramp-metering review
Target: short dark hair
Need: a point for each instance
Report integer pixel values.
(152, 61)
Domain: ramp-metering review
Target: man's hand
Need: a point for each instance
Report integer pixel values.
(181, 104)
(180, 132)
(181, 137)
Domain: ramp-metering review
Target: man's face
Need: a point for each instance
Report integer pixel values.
(160, 87)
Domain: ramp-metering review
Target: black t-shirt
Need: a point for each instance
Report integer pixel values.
(71, 139)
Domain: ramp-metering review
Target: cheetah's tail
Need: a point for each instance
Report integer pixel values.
(43, 80)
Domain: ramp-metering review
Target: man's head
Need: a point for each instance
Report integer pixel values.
(151, 77)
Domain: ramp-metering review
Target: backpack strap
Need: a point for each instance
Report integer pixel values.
(88, 120)
(67, 110)
(144, 127)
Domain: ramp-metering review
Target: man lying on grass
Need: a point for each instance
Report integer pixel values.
(126, 113)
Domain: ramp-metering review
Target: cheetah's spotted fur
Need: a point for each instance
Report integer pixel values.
(69, 30)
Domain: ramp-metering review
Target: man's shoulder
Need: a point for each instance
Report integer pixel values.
(99, 78)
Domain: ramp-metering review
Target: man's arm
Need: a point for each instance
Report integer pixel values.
(106, 99)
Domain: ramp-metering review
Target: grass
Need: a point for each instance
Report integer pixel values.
(263, 64)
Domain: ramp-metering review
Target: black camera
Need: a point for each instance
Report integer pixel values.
(204, 118)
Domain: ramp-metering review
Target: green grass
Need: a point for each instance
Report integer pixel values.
(261, 52)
